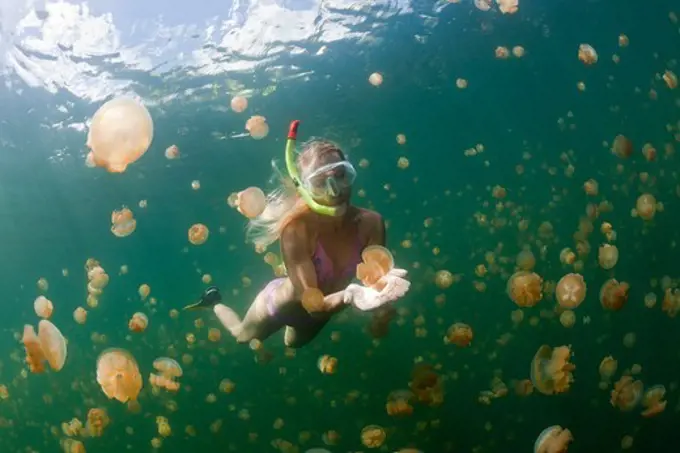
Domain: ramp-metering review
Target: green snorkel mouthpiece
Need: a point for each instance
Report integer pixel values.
(291, 166)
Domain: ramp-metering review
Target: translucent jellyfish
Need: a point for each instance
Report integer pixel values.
(239, 104)
(426, 384)
(553, 439)
(622, 147)
(257, 127)
(327, 364)
(551, 370)
(444, 279)
(118, 375)
(399, 403)
(80, 315)
(483, 5)
(377, 262)
(568, 319)
(251, 202)
(626, 393)
(172, 152)
(313, 300)
(43, 307)
(525, 288)
(508, 6)
(123, 223)
(671, 302)
(163, 382)
(72, 446)
(645, 206)
(459, 334)
(608, 368)
(120, 133)
(587, 54)
(570, 291)
(98, 278)
(53, 344)
(608, 256)
(43, 285)
(34, 352)
(375, 79)
(653, 401)
(198, 234)
(138, 323)
(526, 260)
(614, 295)
(167, 367)
(97, 420)
(373, 436)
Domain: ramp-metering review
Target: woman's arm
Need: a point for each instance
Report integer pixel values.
(297, 257)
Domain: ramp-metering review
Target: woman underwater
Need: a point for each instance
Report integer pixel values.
(321, 236)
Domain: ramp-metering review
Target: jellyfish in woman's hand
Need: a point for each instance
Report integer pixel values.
(120, 133)
(118, 375)
(251, 202)
(551, 369)
(377, 262)
(553, 439)
(53, 344)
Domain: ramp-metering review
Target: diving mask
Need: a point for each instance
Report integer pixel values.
(330, 181)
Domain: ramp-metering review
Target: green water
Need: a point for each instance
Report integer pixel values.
(56, 214)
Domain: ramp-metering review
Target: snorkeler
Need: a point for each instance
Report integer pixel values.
(322, 237)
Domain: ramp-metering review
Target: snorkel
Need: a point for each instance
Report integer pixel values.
(291, 166)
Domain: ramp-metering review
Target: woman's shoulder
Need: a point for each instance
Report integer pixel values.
(368, 220)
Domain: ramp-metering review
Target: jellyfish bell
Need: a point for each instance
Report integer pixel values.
(53, 344)
(251, 202)
(123, 222)
(653, 401)
(257, 127)
(167, 367)
(553, 439)
(551, 369)
(239, 104)
(525, 288)
(118, 375)
(34, 353)
(43, 307)
(570, 291)
(377, 261)
(614, 294)
(627, 393)
(120, 133)
(608, 256)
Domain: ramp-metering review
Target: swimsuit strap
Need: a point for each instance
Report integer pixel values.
(324, 266)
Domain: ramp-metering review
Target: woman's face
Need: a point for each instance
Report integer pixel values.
(328, 183)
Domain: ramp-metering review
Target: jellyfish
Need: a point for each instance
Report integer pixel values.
(251, 202)
(614, 295)
(570, 291)
(426, 384)
(34, 352)
(444, 279)
(327, 364)
(551, 370)
(198, 234)
(608, 256)
(626, 393)
(459, 334)
(645, 206)
(239, 104)
(373, 436)
(53, 344)
(525, 288)
(526, 260)
(72, 446)
(553, 439)
(98, 278)
(313, 300)
(377, 261)
(138, 322)
(653, 401)
(118, 375)
(163, 382)
(123, 223)
(97, 420)
(608, 368)
(671, 302)
(375, 79)
(43, 307)
(587, 54)
(622, 147)
(172, 152)
(120, 133)
(168, 367)
(80, 315)
(257, 127)
(399, 403)
(568, 319)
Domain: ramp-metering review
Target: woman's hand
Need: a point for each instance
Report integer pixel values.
(366, 299)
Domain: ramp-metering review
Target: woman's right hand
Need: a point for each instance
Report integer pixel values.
(366, 299)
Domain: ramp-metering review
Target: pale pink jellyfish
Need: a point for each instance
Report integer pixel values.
(239, 104)
(375, 79)
(34, 352)
(124, 224)
(53, 344)
(198, 234)
(570, 291)
(98, 278)
(251, 202)
(43, 307)
(172, 152)
(138, 322)
(80, 315)
(118, 375)
(553, 439)
(120, 133)
(257, 127)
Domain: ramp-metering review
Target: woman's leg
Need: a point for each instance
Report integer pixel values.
(300, 335)
(261, 320)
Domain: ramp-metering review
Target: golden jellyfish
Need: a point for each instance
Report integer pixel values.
(172, 152)
(401, 139)
(508, 6)
(373, 436)
(568, 319)
(251, 202)
(591, 187)
(198, 234)
(34, 353)
(239, 104)
(502, 52)
(570, 291)
(645, 206)
(327, 364)
(72, 446)
(622, 147)
(257, 127)
(399, 403)
(525, 288)
(459, 334)
(163, 382)
(608, 256)
(138, 323)
(626, 393)
(614, 295)
(167, 367)
(98, 278)
(587, 54)
(483, 5)
(120, 133)
(443, 279)
(118, 375)
(80, 315)
(313, 300)
(608, 368)
(43, 285)
(461, 83)
(123, 223)
(670, 79)
(43, 307)
(53, 344)
(551, 371)
(375, 79)
(553, 439)
(144, 290)
(671, 302)
(377, 261)
(526, 260)
(426, 384)
(653, 401)
(97, 420)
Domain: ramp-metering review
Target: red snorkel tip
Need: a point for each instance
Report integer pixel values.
(292, 130)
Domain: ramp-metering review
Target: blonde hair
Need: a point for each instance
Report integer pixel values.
(284, 204)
